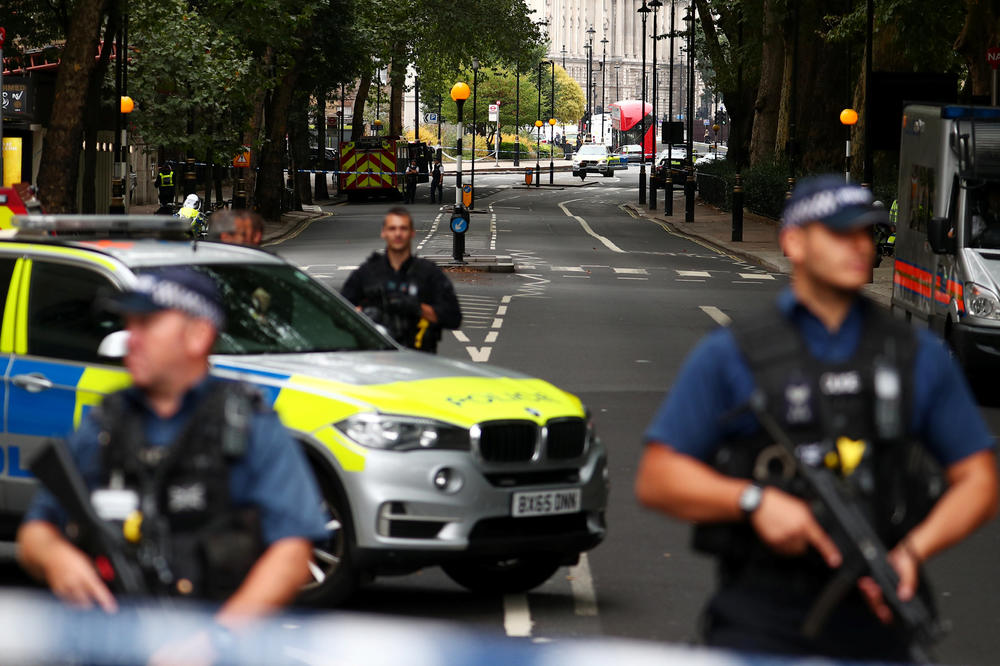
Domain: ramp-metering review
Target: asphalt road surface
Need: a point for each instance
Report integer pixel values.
(606, 306)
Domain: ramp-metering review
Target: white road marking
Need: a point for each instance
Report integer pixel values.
(431, 231)
(506, 299)
(720, 317)
(568, 269)
(632, 271)
(687, 280)
(586, 227)
(461, 337)
(347, 268)
(756, 276)
(479, 355)
(516, 615)
(497, 323)
(491, 337)
(703, 274)
(582, 584)
(579, 277)
(502, 310)
(632, 278)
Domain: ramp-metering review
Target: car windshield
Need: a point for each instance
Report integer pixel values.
(983, 230)
(592, 150)
(275, 309)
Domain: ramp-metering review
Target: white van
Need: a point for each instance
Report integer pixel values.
(947, 268)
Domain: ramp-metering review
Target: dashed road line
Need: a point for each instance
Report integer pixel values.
(703, 274)
(717, 315)
(756, 276)
(631, 271)
(516, 615)
(582, 584)
(568, 269)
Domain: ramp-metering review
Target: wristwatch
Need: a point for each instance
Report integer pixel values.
(750, 498)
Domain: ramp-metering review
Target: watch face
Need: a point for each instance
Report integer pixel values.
(750, 498)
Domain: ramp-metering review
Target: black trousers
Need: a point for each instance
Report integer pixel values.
(437, 186)
(411, 193)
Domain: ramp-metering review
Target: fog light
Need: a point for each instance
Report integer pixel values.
(447, 480)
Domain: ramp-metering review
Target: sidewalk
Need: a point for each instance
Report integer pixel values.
(759, 244)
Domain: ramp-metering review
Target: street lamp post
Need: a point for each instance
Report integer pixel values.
(618, 92)
(538, 150)
(847, 118)
(517, 115)
(552, 122)
(590, 79)
(472, 177)
(643, 10)
(564, 56)
(604, 100)
(655, 4)
(459, 93)
(689, 184)
(121, 86)
(668, 203)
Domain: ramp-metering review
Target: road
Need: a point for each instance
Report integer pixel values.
(606, 306)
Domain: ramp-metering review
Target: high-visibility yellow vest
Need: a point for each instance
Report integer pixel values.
(166, 179)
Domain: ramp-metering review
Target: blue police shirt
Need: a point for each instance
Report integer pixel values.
(715, 380)
(272, 475)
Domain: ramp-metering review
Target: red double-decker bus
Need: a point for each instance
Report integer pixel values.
(625, 125)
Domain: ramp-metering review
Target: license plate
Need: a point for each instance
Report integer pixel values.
(545, 502)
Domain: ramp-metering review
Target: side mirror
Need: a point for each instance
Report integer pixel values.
(114, 345)
(938, 229)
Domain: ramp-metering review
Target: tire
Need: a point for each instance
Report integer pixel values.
(334, 577)
(503, 576)
(607, 174)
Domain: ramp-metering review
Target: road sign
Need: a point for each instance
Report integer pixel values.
(467, 195)
(430, 117)
(242, 160)
(993, 57)
(494, 112)
(3, 37)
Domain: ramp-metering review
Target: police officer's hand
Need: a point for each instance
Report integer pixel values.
(786, 524)
(905, 561)
(72, 577)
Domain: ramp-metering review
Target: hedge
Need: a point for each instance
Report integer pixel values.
(764, 186)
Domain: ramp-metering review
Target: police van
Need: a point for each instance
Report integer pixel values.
(947, 267)
(421, 460)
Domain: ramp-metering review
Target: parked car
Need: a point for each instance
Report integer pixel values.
(496, 476)
(709, 157)
(595, 158)
(677, 155)
(632, 152)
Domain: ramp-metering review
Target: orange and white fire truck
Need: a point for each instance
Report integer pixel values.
(374, 166)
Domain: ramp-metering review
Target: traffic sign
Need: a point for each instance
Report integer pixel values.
(3, 37)
(993, 57)
(494, 112)
(430, 117)
(242, 160)
(467, 195)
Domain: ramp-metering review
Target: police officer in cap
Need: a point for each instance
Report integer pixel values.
(200, 460)
(837, 373)
(408, 295)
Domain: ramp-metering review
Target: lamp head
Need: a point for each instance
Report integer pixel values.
(460, 91)
(475, 64)
(644, 9)
(848, 117)
(552, 121)
(538, 123)
(126, 104)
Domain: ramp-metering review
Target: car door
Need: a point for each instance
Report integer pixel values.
(8, 303)
(54, 374)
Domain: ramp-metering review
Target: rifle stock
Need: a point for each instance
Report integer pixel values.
(863, 551)
(56, 470)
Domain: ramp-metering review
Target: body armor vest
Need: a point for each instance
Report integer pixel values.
(852, 418)
(191, 539)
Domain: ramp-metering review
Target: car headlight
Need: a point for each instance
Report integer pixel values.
(981, 302)
(402, 433)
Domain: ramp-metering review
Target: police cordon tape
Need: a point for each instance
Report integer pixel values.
(38, 629)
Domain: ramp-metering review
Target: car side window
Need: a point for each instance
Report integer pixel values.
(62, 320)
(6, 273)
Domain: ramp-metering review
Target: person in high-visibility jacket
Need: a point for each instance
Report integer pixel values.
(191, 210)
(165, 184)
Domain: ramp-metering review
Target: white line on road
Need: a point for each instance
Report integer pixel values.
(632, 271)
(688, 280)
(497, 323)
(582, 584)
(502, 310)
(479, 355)
(461, 337)
(632, 278)
(586, 227)
(506, 299)
(720, 317)
(491, 337)
(516, 615)
(703, 274)
(756, 276)
(568, 269)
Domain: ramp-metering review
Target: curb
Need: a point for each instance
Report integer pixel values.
(293, 229)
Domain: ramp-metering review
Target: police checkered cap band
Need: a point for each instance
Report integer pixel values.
(170, 295)
(832, 202)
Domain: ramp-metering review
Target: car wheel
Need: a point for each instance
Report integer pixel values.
(517, 574)
(607, 174)
(333, 576)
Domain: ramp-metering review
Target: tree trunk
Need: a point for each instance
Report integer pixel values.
(59, 166)
(298, 143)
(360, 99)
(321, 190)
(397, 85)
(253, 136)
(978, 34)
(765, 123)
(270, 183)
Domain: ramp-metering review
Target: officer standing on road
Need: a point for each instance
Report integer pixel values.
(437, 182)
(212, 469)
(411, 182)
(165, 184)
(838, 374)
(410, 296)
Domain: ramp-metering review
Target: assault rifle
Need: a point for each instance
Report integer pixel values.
(55, 469)
(863, 552)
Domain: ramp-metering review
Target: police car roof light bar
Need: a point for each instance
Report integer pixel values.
(954, 112)
(49, 225)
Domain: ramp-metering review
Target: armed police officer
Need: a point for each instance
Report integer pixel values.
(221, 502)
(859, 394)
(408, 295)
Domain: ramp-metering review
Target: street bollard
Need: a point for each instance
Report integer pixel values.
(738, 208)
(791, 186)
(189, 177)
(240, 200)
(652, 190)
(668, 196)
(459, 225)
(689, 187)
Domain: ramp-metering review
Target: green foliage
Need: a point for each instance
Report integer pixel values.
(715, 183)
(764, 187)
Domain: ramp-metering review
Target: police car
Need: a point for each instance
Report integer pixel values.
(421, 460)
(595, 158)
